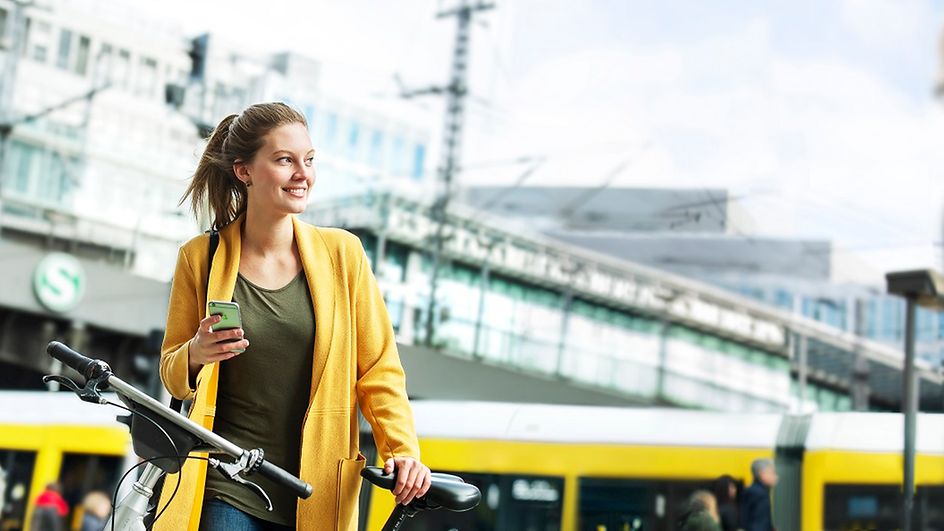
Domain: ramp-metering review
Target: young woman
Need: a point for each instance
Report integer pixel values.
(316, 336)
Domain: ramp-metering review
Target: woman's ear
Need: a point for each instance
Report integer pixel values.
(241, 169)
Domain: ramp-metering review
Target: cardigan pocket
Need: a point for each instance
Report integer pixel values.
(349, 485)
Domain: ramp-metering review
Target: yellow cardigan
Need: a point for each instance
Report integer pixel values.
(355, 363)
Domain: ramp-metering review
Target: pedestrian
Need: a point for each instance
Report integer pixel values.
(96, 507)
(3, 491)
(315, 343)
(49, 510)
(725, 490)
(701, 513)
(755, 500)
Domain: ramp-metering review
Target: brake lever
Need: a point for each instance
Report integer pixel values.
(89, 393)
(231, 471)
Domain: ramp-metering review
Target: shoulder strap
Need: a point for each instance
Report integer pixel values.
(176, 404)
(214, 243)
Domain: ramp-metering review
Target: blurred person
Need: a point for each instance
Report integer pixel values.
(725, 490)
(96, 507)
(49, 510)
(701, 513)
(755, 500)
(3, 491)
(321, 340)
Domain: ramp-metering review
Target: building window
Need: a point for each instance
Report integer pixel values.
(27, 33)
(103, 62)
(38, 42)
(65, 48)
(376, 147)
(122, 68)
(310, 117)
(396, 156)
(331, 128)
(419, 159)
(37, 174)
(147, 77)
(3, 23)
(82, 55)
(23, 159)
(39, 53)
(353, 137)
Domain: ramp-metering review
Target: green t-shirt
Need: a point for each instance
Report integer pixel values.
(264, 392)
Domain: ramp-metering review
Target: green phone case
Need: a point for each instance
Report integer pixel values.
(231, 318)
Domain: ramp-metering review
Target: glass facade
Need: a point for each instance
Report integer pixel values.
(880, 317)
(353, 139)
(38, 175)
(506, 321)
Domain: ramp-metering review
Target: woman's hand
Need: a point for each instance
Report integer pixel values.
(413, 478)
(208, 346)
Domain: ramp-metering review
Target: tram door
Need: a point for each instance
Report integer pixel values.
(17, 473)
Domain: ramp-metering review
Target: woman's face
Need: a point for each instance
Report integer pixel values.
(282, 172)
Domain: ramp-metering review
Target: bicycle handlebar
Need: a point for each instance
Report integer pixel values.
(87, 368)
(82, 364)
(301, 488)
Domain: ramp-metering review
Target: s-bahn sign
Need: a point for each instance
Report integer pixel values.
(59, 282)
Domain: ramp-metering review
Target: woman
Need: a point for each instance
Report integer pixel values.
(725, 490)
(96, 508)
(701, 513)
(316, 336)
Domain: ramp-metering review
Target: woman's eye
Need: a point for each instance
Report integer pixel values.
(285, 159)
(310, 160)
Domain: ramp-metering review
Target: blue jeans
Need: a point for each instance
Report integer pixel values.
(220, 516)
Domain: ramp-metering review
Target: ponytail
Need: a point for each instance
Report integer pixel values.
(214, 189)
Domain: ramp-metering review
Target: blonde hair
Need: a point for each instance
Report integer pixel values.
(97, 503)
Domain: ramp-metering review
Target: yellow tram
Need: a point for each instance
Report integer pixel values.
(543, 467)
(55, 437)
(548, 467)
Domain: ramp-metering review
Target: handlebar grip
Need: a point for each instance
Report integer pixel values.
(63, 353)
(300, 488)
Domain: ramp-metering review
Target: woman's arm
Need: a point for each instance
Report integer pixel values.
(189, 340)
(381, 384)
(182, 322)
(381, 389)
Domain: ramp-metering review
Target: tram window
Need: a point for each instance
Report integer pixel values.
(509, 503)
(84, 473)
(861, 507)
(18, 467)
(633, 504)
(929, 502)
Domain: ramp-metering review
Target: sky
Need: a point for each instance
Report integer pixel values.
(819, 115)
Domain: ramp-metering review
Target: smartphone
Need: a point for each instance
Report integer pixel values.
(230, 317)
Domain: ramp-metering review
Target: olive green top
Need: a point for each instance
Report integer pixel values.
(263, 393)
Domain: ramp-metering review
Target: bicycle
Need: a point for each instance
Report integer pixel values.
(164, 438)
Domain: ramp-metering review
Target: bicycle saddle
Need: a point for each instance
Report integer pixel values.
(445, 490)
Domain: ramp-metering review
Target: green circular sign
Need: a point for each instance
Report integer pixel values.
(59, 282)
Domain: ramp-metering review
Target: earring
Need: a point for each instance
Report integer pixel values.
(248, 184)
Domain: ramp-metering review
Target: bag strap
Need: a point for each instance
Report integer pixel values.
(176, 404)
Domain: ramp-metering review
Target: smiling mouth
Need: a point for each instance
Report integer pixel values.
(296, 192)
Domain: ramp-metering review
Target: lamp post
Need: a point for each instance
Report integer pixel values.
(922, 287)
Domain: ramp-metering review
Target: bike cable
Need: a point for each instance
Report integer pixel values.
(180, 459)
